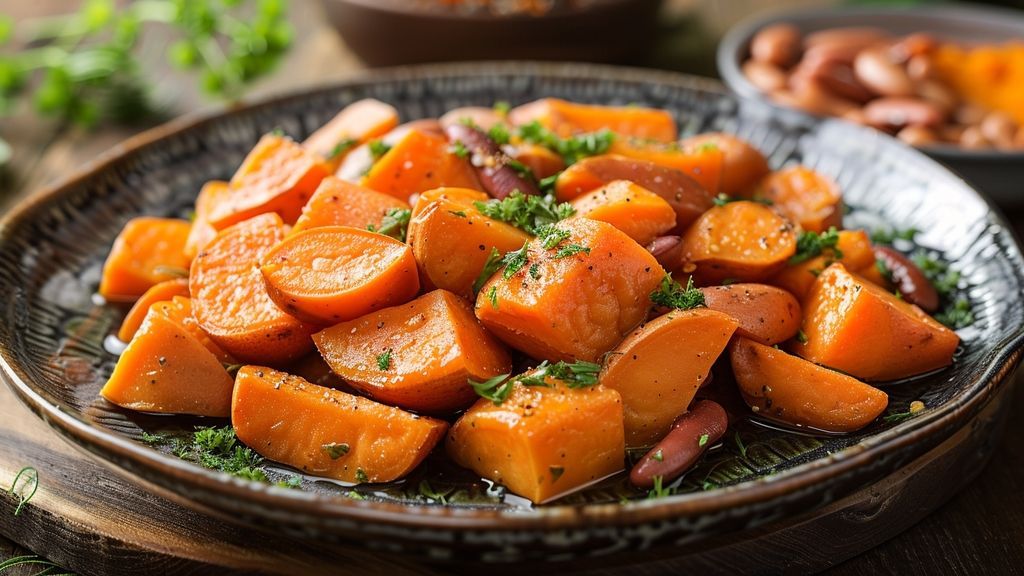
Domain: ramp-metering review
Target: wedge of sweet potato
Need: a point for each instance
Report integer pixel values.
(765, 313)
(703, 164)
(573, 299)
(417, 356)
(787, 388)
(859, 328)
(854, 252)
(165, 369)
(420, 161)
(638, 212)
(340, 203)
(230, 300)
(452, 241)
(743, 166)
(353, 125)
(146, 252)
(278, 176)
(327, 432)
(567, 118)
(202, 231)
(158, 292)
(358, 162)
(463, 196)
(807, 197)
(542, 442)
(740, 241)
(658, 368)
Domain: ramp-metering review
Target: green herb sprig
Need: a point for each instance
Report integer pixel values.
(526, 212)
(395, 224)
(571, 149)
(28, 487)
(672, 295)
(812, 244)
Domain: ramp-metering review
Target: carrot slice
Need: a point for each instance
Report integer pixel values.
(335, 273)
(146, 252)
(162, 291)
(420, 161)
(783, 387)
(808, 198)
(567, 118)
(703, 164)
(740, 241)
(638, 212)
(340, 203)
(417, 356)
(573, 299)
(452, 242)
(855, 247)
(328, 432)
(212, 194)
(659, 367)
(859, 328)
(278, 176)
(542, 442)
(766, 314)
(356, 123)
(165, 369)
(230, 300)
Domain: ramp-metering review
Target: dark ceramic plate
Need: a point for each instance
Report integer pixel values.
(996, 173)
(51, 337)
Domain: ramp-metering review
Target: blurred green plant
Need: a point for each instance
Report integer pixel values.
(82, 67)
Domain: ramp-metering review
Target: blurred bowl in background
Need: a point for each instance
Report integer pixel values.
(1000, 174)
(397, 32)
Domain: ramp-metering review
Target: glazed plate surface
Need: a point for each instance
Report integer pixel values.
(53, 330)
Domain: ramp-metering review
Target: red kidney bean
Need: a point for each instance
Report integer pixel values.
(764, 76)
(913, 46)
(840, 79)
(491, 163)
(917, 136)
(908, 279)
(778, 44)
(680, 449)
(876, 70)
(898, 112)
(937, 94)
(972, 139)
(859, 37)
(667, 250)
(999, 129)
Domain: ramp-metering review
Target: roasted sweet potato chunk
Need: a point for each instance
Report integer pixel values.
(809, 198)
(355, 124)
(567, 118)
(340, 203)
(638, 212)
(146, 252)
(766, 314)
(420, 161)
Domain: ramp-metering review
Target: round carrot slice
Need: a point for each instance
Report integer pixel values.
(331, 274)
(230, 301)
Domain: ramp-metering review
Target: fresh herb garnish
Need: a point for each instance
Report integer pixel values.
(703, 440)
(502, 108)
(152, 438)
(801, 336)
(883, 269)
(492, 295)
(341, 147)
(571, 149)
(428, 492)
(458, 213)
(520, 168)
(739, 444)
(526, 212)
(361, 476)
(336, 449)
(658, 456)
(571, 250)
(578, 374)
(495, 389)
(942, 278)
(294, 482)
(395, 224)
(722, 199)
(659, 490)
(30, 485)
(515, 260)
(547, 184)
(957, 315)
(889, 236)
(384, 360)
(378, 148)
(459, 149)
(535, 271)
(672, 295)
(219, 449)
(811, 244)
(355, 495)
(499, 134)
(491, 265)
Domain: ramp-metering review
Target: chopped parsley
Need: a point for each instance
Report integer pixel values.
(152, 438)
(515, 260)
(428, 492)
(811, 244)
(378, 149)
(384, 360)
(499, 134)
(361, 476)
(458, 213)
(495, 389)
(801, 337)
(659, 490)
(336, 449)
(942, 278)
(395, 224)
(502, 108)
(722, 199)
(219, 449)
(341, 147)
(520, 168)
(703, 441)
(957, 315)
(883, 269)
(459, 149)
(294, 482)
(571, 149)
(658, 456)
(571, 250)
(551, 236)
(574, 375)
(578, 374)
(535, 271)
(672, 295)
(492, 295)
(492, 265)
(547, 185)
(526, 212)
(890, 235)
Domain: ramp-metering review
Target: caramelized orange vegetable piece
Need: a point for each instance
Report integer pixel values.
(789, 389)
(452, 241)
(861, 329)
(418, 162)
(359, 161)
(162, 291)
(542, 442)
(146, 252)
(740, 241)
(202, 231)
(855, 246)
(179, 309)
(356, 123)
(703, 164)
(278, 176)
(810, 199)
(567, 118)
(331, 274)
(328, 432)
(464, 196)
(766, 314)
(743, 166)
(340, 203)
(638, 212)
(165, 369)
(417, 356)
(565, 303)
(659, 367)
(230, 300)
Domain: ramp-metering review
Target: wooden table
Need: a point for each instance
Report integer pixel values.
(980, 531)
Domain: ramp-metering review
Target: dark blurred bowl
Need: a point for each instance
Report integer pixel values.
(397, 32)
(997, 173)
